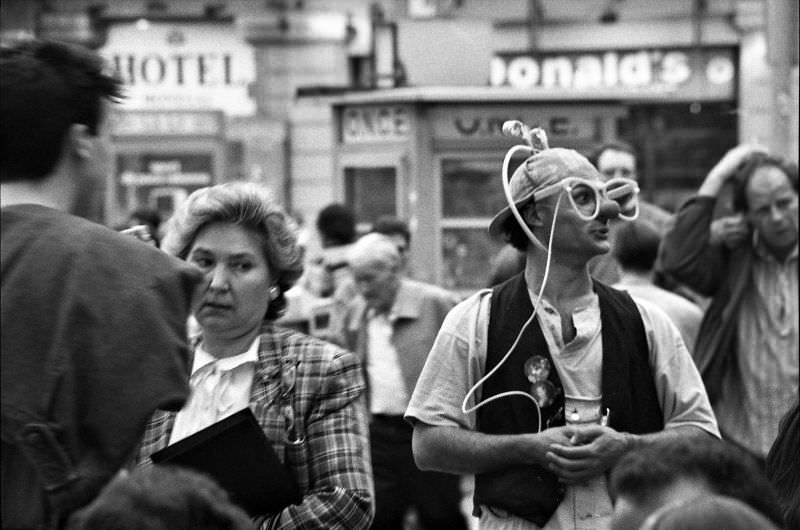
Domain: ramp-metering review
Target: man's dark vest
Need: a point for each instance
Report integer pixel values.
(530, 491)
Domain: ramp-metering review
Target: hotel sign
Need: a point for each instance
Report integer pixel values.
(683, 73)
(183, 66)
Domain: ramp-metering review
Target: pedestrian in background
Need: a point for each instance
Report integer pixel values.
(93, 322)
(748, 341)
(618, 160)
(150, 219)
(316, 304)
(636, 249)
(398, 231)
(391, 326)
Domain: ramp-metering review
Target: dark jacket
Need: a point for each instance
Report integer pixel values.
(419, 310)
(714, 271)
(94, 340)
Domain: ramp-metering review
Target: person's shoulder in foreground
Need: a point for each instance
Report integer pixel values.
(94, 336)
(677, 470)
(161, 498)
(714, 511)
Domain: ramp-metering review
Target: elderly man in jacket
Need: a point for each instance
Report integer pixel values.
(391, 326)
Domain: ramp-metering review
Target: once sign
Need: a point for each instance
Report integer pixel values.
(375, 124)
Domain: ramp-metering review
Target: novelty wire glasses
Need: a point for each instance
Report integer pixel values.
(585, 196)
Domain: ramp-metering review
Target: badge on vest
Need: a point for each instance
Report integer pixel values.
(537, 369)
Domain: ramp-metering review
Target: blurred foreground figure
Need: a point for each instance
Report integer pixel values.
(161, 498)
(94, 323)
(681, 470)
(306, 394)
(748, 341)
(783, 466)
(708, 512)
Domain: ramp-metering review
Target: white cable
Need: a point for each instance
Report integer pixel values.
(510, 199)
(548, 249)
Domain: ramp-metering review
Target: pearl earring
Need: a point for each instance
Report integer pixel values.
(274, 292)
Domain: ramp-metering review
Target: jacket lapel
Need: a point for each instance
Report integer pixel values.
(267, 382)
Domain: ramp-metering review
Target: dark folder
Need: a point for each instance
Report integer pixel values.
(236, 453)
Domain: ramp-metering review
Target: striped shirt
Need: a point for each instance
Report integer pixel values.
(767, 357)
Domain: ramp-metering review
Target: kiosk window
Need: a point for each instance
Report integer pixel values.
(467, 254)
(471, 188)
(370, 192)
(472, 193)
(161, 180)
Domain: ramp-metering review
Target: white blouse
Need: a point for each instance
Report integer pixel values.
(220, 387)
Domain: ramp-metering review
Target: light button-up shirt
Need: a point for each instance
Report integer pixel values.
(767, 337)
(388, 394)
(220, 387)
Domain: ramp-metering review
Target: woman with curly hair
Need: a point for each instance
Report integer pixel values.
(305, 393)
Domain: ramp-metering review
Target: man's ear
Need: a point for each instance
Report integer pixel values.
(80, 141)
(530, 215)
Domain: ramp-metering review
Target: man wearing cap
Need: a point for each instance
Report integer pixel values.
(539, 409)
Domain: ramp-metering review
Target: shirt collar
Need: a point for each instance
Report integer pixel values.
(203, 359)
(406, 304)
(764, 253)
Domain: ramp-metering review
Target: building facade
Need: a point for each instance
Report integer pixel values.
(395, 107)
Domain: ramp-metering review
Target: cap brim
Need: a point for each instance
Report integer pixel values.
(496, 225)
(498, 221)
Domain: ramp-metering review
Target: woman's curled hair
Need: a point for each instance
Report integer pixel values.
(251, 206)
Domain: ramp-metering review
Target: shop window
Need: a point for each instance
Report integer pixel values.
(370, 192)
(678, 144)
(160, 180)
(466, 255)
(471, 188)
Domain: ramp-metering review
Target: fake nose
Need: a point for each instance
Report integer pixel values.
(608, 209)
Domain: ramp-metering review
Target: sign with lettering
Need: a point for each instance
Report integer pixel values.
(165, 123)
(160, 170)
(563, 122)
(183, 66)
(375, 123)
(685, 73)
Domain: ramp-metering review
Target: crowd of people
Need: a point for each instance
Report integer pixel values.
(625, 368)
